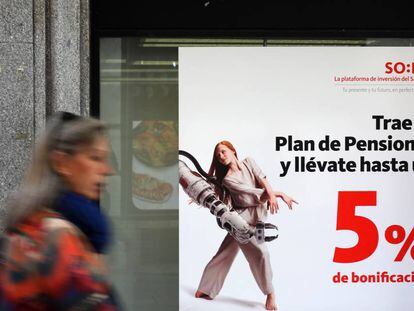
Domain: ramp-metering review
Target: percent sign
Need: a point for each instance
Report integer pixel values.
(395, 234)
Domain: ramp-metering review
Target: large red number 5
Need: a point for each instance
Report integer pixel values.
(365, 229)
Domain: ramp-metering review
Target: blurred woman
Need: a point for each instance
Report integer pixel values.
(55, 230)
(246, 189)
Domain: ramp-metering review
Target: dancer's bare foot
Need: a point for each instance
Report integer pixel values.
(199, 294)
(271, 302)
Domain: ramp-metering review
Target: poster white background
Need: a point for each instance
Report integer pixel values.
(251, 95)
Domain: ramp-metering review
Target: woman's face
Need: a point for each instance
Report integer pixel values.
(84, 172)
(225, 155)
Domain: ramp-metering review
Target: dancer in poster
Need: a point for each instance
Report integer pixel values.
(246, 189)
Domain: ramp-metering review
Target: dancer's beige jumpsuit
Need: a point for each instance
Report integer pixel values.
(245, 194)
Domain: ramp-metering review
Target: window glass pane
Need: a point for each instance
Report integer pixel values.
(139, 102)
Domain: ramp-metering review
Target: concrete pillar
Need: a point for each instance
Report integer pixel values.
(67, 28)
(44, 67)
(16, 93)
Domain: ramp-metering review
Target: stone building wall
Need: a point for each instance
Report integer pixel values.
(44, 67)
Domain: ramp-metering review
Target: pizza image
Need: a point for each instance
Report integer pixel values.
(155, 143)
(150, 189)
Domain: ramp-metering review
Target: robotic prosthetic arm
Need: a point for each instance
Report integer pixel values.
(203, 193)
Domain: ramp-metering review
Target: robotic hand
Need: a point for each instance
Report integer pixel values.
(202, 192)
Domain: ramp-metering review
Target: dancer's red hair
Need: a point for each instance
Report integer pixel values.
(216, 168)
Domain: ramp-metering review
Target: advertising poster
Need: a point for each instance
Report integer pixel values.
(330, 127)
